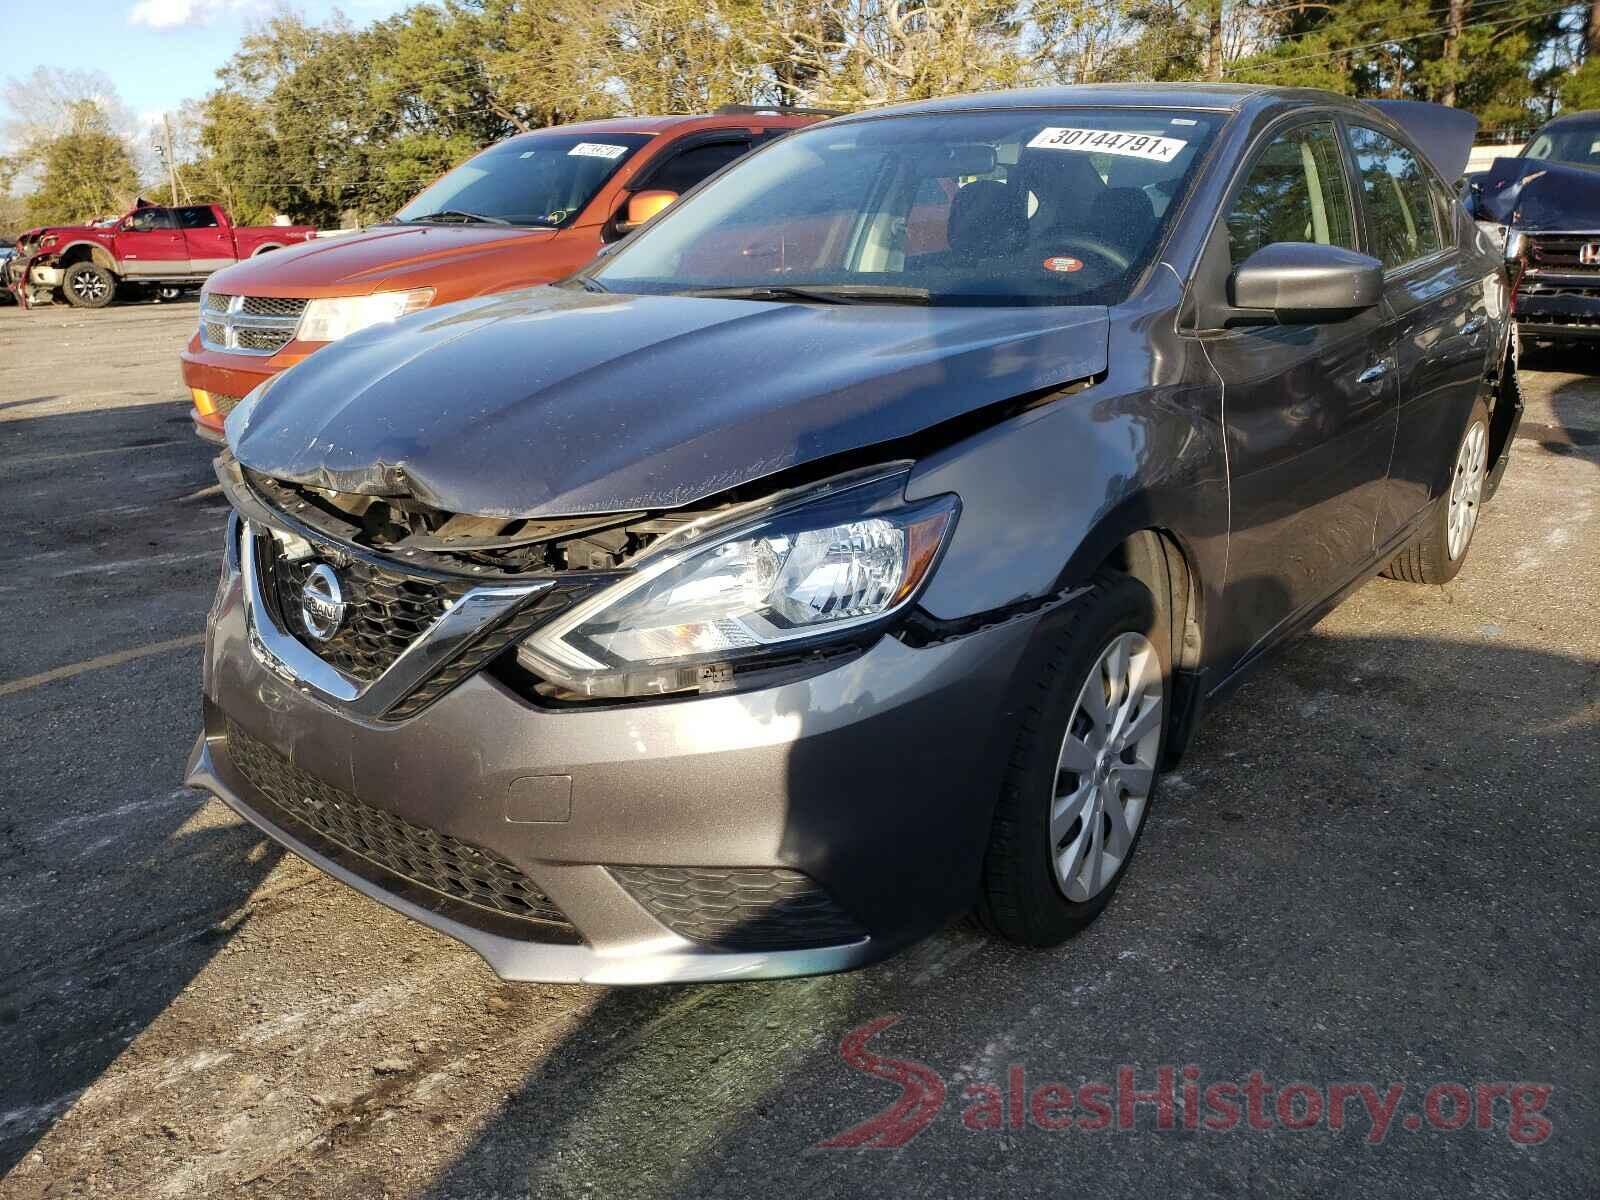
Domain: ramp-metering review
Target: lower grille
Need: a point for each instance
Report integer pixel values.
(741, 908)
(424, 857)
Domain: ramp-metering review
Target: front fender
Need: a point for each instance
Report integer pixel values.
(1049, 494)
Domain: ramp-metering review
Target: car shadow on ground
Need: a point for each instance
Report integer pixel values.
(1373, 865)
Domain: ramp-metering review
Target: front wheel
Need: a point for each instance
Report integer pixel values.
(88, 285)
(1436, 552)
(1083, 768)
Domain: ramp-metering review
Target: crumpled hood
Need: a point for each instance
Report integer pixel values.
(557, 402)
(1535, 194)
(371, 260)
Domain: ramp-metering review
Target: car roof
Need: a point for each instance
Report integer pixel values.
(1588, 114)
(657, 125)
(1216, 97)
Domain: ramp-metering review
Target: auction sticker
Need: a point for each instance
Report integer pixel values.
(1106, 141)
(1063, 263)
(602, 150)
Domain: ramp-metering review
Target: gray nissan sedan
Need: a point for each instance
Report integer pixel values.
(853, 546)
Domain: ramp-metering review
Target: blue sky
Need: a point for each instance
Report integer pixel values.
(158, 52)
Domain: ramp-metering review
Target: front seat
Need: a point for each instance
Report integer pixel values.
(988, 219)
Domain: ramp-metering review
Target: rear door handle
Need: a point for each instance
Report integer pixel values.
(1474, 326)
(1375, 372)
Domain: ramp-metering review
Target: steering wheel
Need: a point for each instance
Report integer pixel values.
(1076, 242)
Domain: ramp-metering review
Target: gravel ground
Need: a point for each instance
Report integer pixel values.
(1376, 866)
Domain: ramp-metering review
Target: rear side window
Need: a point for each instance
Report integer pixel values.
(1402, 216)
(682, 171)
(198, 216)
(1295, 192)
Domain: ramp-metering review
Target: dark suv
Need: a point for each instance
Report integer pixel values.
(854, 545)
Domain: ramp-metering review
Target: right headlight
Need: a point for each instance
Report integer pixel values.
(823, 568)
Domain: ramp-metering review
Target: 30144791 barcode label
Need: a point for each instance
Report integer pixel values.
(1107, 141)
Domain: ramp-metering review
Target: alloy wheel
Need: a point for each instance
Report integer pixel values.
(1107, 767)
(1466, 490)
(88, 286)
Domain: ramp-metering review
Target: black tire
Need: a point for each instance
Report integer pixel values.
(88, 285)
(1020, 898)
(1426, 558)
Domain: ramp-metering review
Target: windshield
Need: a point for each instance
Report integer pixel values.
(1578, 144)
(543, 180)
(1033, 206)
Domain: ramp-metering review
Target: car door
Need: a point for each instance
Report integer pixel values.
(149, 243)
(209, 244)
(1308, 410)
(1438, 325)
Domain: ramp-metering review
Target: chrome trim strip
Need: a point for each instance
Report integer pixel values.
(290, 661)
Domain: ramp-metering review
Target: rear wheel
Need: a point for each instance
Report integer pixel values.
(1436, 551)
(88, 285)
(1083, 769)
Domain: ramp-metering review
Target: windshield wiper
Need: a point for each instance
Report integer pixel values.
(457, 214)
(844, 293)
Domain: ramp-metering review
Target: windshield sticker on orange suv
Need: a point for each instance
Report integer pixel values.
(597, 150)
(1106, 141)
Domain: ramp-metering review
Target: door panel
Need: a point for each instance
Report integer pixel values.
(1439, 333)
(1308, 410)
(1438, 324)
(1309, 415)
(150, 244)
(210, 246)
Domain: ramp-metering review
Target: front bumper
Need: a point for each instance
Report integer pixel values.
(217, 380)
(875, 780)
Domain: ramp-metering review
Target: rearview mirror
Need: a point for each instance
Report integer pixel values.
(1305, 282)
(644, 205)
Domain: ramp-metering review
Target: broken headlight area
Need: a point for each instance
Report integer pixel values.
(802, 576)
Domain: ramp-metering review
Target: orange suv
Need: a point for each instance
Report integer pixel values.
(528, 210)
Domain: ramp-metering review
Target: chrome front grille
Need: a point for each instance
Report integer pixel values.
(1563, 253)
(260, 325)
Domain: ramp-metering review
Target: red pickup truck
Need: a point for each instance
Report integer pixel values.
(152, 245)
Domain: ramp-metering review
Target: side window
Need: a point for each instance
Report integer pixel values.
(683, 171)
(198, 216)
(147, 219)
(1295, 192)
(1402, 219)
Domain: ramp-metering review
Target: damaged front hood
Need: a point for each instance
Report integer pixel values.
(557, 402)
(1534, 194)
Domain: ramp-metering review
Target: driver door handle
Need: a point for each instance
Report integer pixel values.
(1474, 325)
(1376, 372)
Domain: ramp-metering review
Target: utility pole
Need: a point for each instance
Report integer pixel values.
(172, 164)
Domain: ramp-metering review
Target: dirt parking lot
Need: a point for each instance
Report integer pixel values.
(1376, 867)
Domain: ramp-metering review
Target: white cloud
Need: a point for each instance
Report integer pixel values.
(170, 14)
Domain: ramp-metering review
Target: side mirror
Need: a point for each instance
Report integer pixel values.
(642, 206)
(1305, 282)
